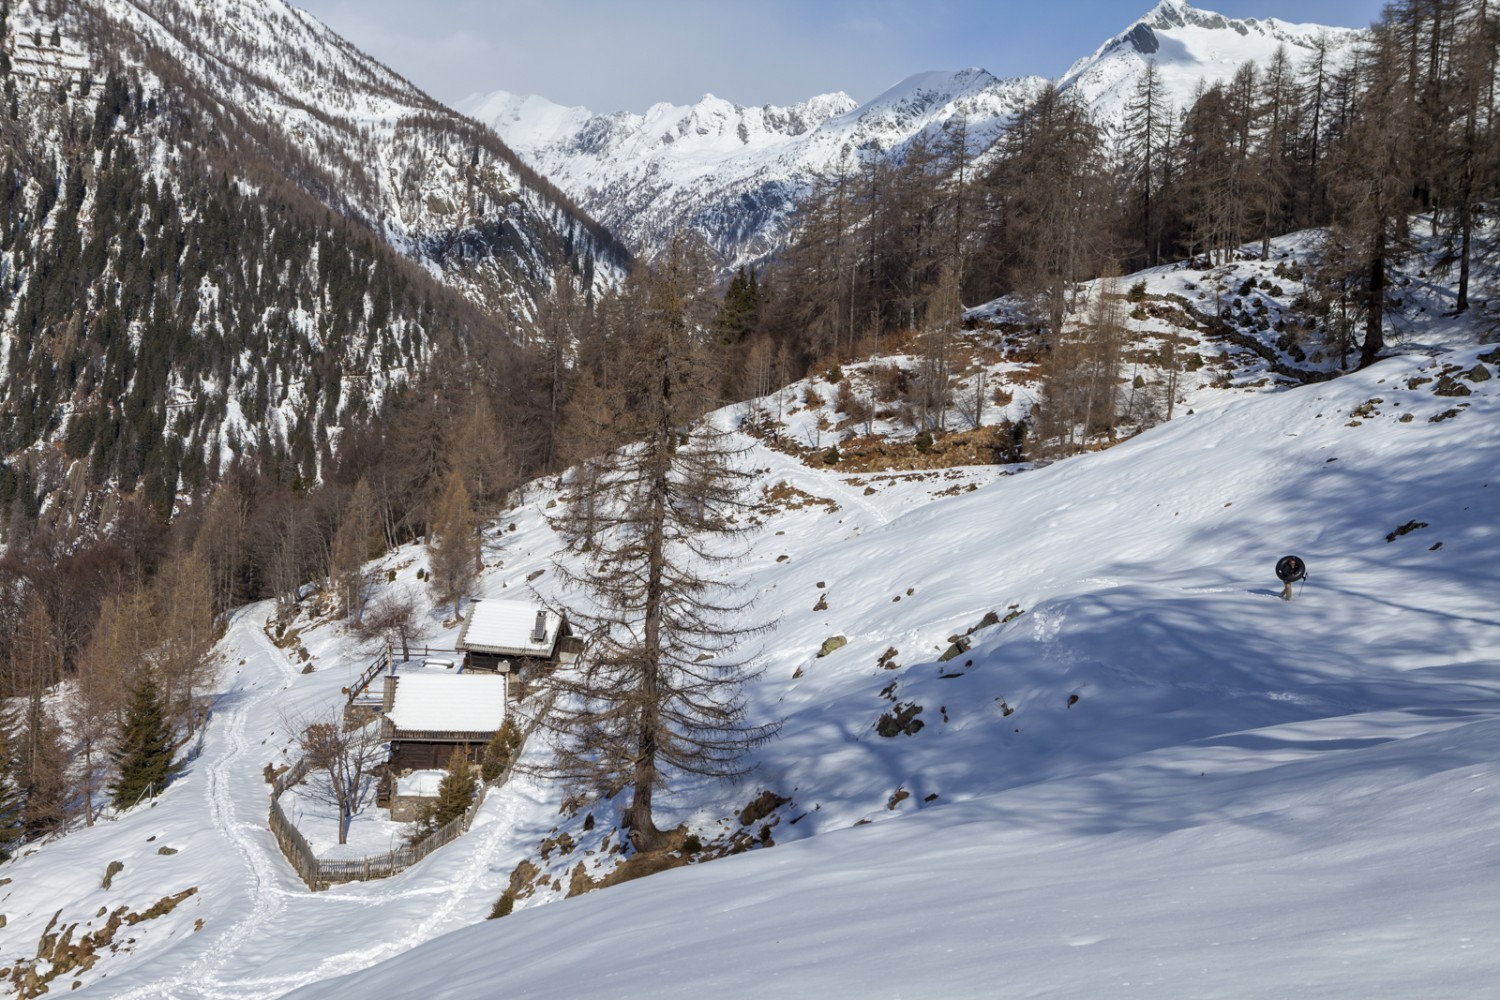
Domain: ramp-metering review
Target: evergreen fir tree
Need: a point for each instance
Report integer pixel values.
(143, 754)
(455, 793)
(740, 312)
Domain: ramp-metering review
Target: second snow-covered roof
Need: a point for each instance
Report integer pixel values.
(449, 703)
(514, 628)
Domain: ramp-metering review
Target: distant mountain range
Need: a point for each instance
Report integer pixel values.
(736, 173)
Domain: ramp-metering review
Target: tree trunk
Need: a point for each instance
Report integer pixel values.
(1374, 341)
(644, 835)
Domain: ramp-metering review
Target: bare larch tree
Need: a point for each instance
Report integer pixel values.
(658, 694)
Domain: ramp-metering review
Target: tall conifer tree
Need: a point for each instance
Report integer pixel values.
(143, 754)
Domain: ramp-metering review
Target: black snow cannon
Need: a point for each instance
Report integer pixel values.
(1289, 570)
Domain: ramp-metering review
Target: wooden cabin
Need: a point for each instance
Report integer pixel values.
(427, 715)
(519, 639)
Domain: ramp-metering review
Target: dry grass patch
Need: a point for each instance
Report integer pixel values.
(783, 496)
(984, 446)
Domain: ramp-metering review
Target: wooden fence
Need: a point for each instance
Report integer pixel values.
(382, 663)
(320, 873)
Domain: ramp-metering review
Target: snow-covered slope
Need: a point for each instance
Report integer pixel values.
(1160, 780)
(736, 173)
(1147, 776)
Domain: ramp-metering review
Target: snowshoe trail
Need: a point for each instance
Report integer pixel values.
(260, 858)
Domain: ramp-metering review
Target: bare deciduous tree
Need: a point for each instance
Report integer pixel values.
(394, 615)
(1080, 379)
(352, 545)
(343, 763)
(185, 616)
(452, 551)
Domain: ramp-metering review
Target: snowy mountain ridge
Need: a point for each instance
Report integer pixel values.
(412, 171)
(1192, 47)
(733, 173)
(736, 174)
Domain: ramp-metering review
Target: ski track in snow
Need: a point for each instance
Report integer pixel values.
(206, 977)
(440, 920)
(476, 866)
(199, 978)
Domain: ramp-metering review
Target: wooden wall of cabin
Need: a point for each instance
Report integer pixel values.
(421, 755)
(487, 663)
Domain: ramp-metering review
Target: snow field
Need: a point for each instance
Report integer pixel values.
(1246, 798)
(1249, 798)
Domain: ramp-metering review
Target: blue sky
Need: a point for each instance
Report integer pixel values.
(609, 55)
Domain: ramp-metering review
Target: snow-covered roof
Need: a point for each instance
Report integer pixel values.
(449, 703)
(509, 628)
(421, 784)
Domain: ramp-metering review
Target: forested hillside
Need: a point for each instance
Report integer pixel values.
(1405, 124)
(243, 268)
(204, 243)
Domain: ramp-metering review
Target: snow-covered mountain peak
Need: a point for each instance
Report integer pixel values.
(1174, 31)
(824, 106)
(530, 120)
(1190, 46)
(923, 92)
(736, 173)
(1169, 14)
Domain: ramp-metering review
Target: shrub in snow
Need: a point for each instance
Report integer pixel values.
(761, 806)
(500, 751)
